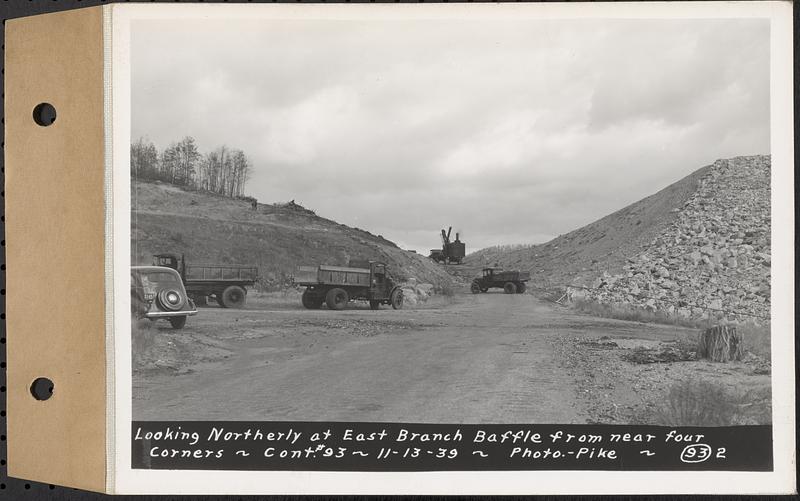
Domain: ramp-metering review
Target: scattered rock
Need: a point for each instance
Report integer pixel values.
(672, 352)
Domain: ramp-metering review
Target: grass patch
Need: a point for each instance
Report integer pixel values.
(632, 313)
(704, 403)
(756, 339)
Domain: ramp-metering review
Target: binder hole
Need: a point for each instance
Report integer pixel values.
(27, 486)
(42, 388)
(44, 114)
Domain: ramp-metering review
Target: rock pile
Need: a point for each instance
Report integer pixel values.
(713, 260)
(415, 292)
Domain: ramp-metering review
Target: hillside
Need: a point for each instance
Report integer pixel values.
(209, 228)
(699, 245)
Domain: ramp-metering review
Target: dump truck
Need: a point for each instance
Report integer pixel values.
(225, 283)
(512, 282)
(337, 285)
(451, 252)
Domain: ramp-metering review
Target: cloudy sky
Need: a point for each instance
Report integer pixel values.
(511, 131)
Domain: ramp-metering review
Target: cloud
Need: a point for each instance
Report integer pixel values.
(512, 131)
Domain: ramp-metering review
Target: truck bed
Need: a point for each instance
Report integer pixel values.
(221, 273)
(512, 276)
(332, 275)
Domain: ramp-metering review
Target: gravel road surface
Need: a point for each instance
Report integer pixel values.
(487, 358)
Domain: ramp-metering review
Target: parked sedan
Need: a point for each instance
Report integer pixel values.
(157, 292)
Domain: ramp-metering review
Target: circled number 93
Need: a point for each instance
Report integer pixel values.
(697, 453)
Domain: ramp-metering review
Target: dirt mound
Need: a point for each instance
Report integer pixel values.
(697, 249)
(275, 237)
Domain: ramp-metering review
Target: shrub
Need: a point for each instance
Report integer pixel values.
(696, 403)
(756, 339)
(705, 403)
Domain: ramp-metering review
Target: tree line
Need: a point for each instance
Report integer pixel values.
(223, 170)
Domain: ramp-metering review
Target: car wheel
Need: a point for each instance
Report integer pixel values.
(170, 299)
(177, 322)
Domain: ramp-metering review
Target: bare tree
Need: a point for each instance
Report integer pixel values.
(144, 159)
(222, 170)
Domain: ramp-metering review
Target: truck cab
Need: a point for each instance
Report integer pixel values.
(169, 261)
(381, 284)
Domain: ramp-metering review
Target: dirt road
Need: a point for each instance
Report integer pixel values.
(488, 358)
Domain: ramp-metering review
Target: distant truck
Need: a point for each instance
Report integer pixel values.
(337, 285)
(224, 282)
(510, 281)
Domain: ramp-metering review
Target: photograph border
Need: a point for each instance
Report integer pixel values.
(121, 478)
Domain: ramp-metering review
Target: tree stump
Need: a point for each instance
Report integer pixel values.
(721, 343)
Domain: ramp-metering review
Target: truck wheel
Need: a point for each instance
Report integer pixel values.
(374, 305)
(475, 288)
(336, 299)
(521, 288)
(510, 288)
(233, 297)
(397, 299)
(311, 301)
(177, 322)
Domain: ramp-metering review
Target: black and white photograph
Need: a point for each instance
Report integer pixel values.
(452, 220)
